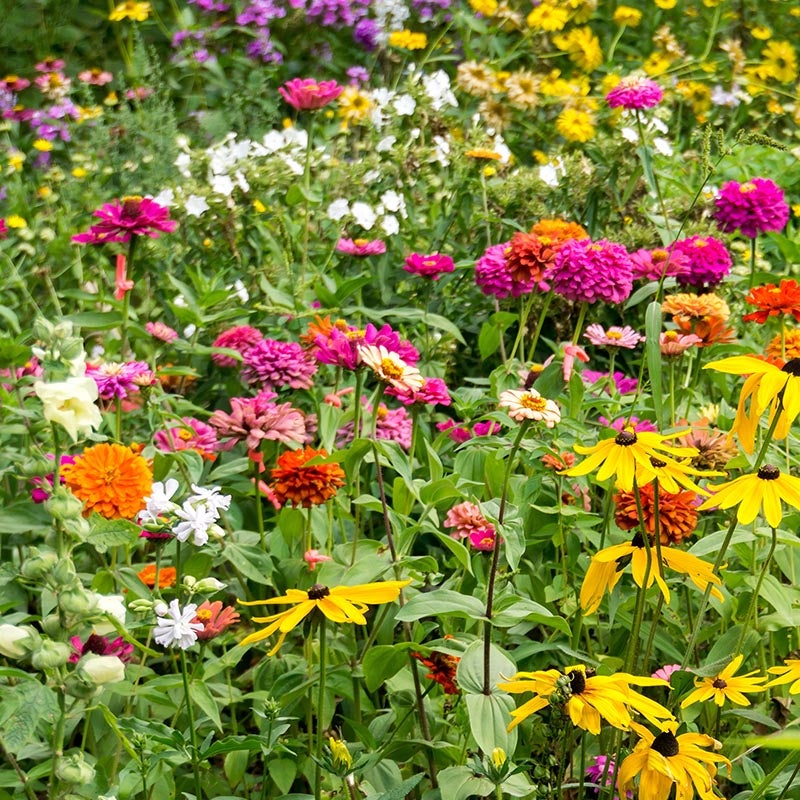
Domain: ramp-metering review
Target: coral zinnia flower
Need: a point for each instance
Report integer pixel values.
(665, 759)
(789, 673)
(621, 455)
(677, 513)
(215, 618)
(442, 668)
(556, 231)
(766, 487)
(110, 479)
(604, 571)
(764, 385)
(338, 604)
(772, 300)
(725, 686)
(704, 315)
(586, 697)
(304, 484)
(528, 257)
(131, 216)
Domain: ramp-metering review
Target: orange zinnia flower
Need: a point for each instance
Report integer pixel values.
(703, 315)
(528, 256)
(677, 513)
(556, 231)
(215, 618)
(166, 576)
(304, 484)
(772, 301)
(787, 349)
(321, 326)
(110, 479)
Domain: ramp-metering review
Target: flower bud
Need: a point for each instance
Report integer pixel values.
(78, 527)
(38, 563)
(78, 688)
(73, 769)
(51, 655)
(189, 582)
(15, 642)
(113, 605)
(99, 670)
(73, 599)
(63, 505)
(141, 606)
(52, 626)
(209, 586)
(64, 573)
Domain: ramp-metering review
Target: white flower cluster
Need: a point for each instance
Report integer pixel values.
(174, 626)
(391, 205)
(196, 516)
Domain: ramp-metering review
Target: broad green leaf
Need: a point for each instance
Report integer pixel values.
(105, 533)
(469, 673)
(459, 783)
(441, 602)
(24, 706)
(250, 560)
(382, 662)
(653, 322)
(205, 700)
(402, 791)
(489, 716)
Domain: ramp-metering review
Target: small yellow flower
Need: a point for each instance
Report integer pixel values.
(259, 206)
(16, 160)
(340, 754)
(489, 172)
(725, 686)
(657, 63)
(130, 9)
(761, 32)
(207, 242)
(111, 99)
(44, 192)
(89, 112)
(548, 17)
(626, 15)
(575, 125)
(79, 172)
(408, 40)
(499, 757)
(43, 145)
(666, 4)
(488, 8)
(16, 221)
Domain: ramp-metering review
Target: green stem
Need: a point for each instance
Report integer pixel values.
(126, 300)
(306, 205)
(752, 263)
(58, 736)
(198, 785)
(579, 325)
(487, 628)
(633, 644)
(650, 175)
(525, 310)
(762, 787)
(320, 708)
(24, 779)
(548, 298)
(259, 507)
(754, 600)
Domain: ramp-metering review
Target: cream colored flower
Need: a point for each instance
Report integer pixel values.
(522, 404)
(70, 403)
(390, 368)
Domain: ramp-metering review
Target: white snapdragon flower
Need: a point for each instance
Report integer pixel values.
(404, 105)
(70, 403)
(385, 144)
(183, 162)
(222, 185)
(166, 198)
(159, 503)
(338, 209)
(196, 520)
(364, 215)
(395, 202)
(196, 205)
(174, 626)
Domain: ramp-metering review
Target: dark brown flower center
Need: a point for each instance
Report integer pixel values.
(318, 591)
(625, 438)
(95, 644)
(792, 366)
(769, 473)
(131, 206)
(657, 462)
(666, 744)
(577, 681)
(719, 684)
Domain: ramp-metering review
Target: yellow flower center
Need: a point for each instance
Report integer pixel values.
(613, 335)
(204, 614)
(746, 188)
(390, 369)
(534, 403)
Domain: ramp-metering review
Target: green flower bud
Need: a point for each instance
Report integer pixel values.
(52, 626)
(51, 655)
(38, 563)
(15, 642)
(209, 586)
(73, 599)
(73, 769)
(99, 670)
(75, 687)
(64, 574)
(63, 505)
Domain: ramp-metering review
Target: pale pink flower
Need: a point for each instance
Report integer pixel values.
(675, 344)
(390, 368)
(666, 671)
(162, 331)
(314, 557)
(361, 247)
(625, 337)
(528, 404)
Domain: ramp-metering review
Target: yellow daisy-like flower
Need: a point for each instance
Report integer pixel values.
(582, 47)
(575, 125)
(138, 12)
(548, 17)
(623, 454)
(726, 686)
(666, 4)
(789, 673)
(672, 475)
(605, 571)
(338, 604)
(765, 488)
(665, 759)
(408, 40)
(778, 61)
(627, 15)
(586, 697)
(762, 388)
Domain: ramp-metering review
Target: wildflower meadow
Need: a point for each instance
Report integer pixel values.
(399, 398)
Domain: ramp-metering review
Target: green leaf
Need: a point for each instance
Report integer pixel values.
(105, 533)
(402, 791)
(469, 673)
(298, 193)
(250, 560)
(96, 320)
(441, 603)
(489, 716)
(205, 700)
(232, 743)
(13, 354)
(653, 323)
(459, 783)
(24, 706)
(235, 766)
(382, 662)
(512, 609)
(283, 772)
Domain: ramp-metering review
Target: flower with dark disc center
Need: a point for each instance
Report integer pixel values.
(657, 462)
(719, 684)
(792, 366)
(666, 744)
(769, 473)
(625, 438)
(318, 591)
(577, 681)
(131, 206)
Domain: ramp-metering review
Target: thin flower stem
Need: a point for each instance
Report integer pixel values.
(525, 310)
(790, 782)
(752, 263)
(259, 508)
(548, 298)
(198, 785)
(576, 334)
(126, 300)
(320, 708)
(650, 174)
(754, 600)
(633, 644)
(23, 778)
(487, 628)
(762, 787)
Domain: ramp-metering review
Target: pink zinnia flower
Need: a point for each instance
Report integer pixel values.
(431, 266)
(652, 265)
(666, 671)
(361, 247)
(433, 392)
(465, 517)
(314, 557)
(131, 216)
(215, 618)
(3, 228)
(341, 347)
(615, 336)
(635, 93)
(13, 83)
(307, 94)
(754, 207)
(116, 380)
(50, 64)
(162, 331)
(487, 428)
(241, 339)
(676, 344)
(192, 435)
(708, 261)
(101, 646)
(254, 419)
(493, 277)
(587, 272)
(271, 364)
(624, 384)
(392, 424)
(458, 433)
(95, 76)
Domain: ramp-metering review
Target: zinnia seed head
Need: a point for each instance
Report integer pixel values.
(666, 744)
(625, 438)
(318, 591)
(769, 473)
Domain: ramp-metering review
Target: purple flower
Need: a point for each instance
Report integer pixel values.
(493, 277)
(260, 12)
(431, 266)
(241, 338)
(587, 272)
(708, 261)
(602, 765)
(341, 348)
(754, 207)
(433, 392)
(366, 33)
(357, 75)
(101, 646)
(116, 380)
(392, 424)
(131, 216)
(271, 364)
(635, 93)
(255, 419)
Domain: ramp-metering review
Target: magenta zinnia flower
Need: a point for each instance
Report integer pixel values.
(652, 265)
(271, 364)
(433, 392)
(431, 266)
(101, 646)
(637, 424)
(117, 380)
(342, 348)
(493, 276)
(255, 419)
(241, 339)
(192, 435)
(708, 261)
(585, 271)
(623, 384)
(615, 336)
(635, 92)
(392, 424)
(458, 433)
(754, 207)
(131, 216)
(361, 247)
(307, 94)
